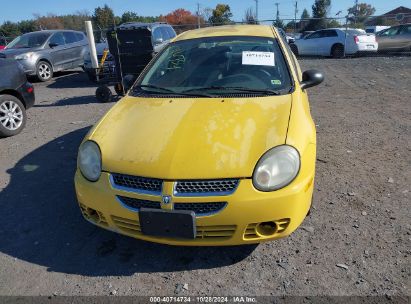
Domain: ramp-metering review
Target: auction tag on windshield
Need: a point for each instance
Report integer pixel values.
(258, 58)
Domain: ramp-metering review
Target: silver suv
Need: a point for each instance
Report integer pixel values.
(45, 52)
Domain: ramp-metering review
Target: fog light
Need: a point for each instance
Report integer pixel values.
(266, 228)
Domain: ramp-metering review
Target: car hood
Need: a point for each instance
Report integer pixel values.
(191, 138)
(9, 53)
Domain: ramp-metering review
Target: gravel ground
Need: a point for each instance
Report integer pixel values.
(357, 240)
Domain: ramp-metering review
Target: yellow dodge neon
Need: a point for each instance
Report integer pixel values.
(213, 145)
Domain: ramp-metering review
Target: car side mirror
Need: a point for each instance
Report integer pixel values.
(53, 45)
(311, 78)
(158, 41)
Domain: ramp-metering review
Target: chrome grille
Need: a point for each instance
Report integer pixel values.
(206, 187)
(137, 183)
(135, 203)
(201, 208)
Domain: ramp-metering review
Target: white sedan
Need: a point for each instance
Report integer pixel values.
(331, 42)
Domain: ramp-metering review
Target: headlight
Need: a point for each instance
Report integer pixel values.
(89, 160)
(24, 56)
(276, 168)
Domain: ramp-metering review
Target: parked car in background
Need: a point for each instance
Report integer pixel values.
(394, 39)
(335, 42)
(288, 38)
(16, 95)
(100, 48)
(45, 52)
(233, 160)
(375, 29)
(305, 33)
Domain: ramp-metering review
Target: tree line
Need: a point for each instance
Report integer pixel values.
(104, 17)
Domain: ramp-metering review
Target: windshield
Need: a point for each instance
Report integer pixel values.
(29, 40)
(218, 65)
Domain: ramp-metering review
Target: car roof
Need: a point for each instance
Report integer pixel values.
(51, 31)
(229, 30)
(142, 24)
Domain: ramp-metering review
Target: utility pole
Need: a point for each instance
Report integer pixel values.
(356, 11)
(256, 11)
(295, 16)
(278, 14)
(198, 15)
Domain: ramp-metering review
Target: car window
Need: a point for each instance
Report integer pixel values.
(314, 35)
(70, 37)
(389, 32)
(164, 33)
(171, 32)
(405, 29)
(330, 33)
(57, 38)
(79, 36)
(223, 62)
(291, 55)
(29, 40)
(157, 34)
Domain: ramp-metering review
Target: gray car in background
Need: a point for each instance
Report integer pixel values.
(45, 52)
(394, 39)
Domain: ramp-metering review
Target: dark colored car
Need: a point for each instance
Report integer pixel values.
(16, 95)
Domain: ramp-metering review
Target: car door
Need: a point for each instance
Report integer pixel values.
(404, 37)
(73, 50)
(387, 40)
(57, 51)
(326, 42)
(311, 43)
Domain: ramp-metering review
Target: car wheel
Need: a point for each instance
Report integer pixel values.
(103, 94)
(294, 49)
(12, 115)
(44, 71)
(337, 51)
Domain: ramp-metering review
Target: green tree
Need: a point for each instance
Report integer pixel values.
(305, 14)
(129, 16)
(221, 15)
(359, 13)
(320, 10)
(27, 26)
(249, 16)
(103, 16)
(10, 29)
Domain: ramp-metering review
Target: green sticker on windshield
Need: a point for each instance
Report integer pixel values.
(276, 81)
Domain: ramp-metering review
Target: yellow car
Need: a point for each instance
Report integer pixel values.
(213, 145)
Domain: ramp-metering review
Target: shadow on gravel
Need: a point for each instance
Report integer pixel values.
(70, 80)
(41, 224)
(71, 101)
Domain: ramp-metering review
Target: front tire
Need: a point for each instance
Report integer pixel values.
(12, 115)
(44, 71)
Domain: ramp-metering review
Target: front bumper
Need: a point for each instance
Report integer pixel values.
(29, 66)
(234, 225)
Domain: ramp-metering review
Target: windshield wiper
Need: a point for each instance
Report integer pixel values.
(165, 90)
(242, 89)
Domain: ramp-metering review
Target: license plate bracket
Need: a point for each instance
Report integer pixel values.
(168, 223)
